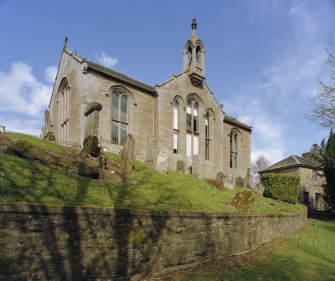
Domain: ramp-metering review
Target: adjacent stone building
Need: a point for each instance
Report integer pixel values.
(180, 115)
(312, 179)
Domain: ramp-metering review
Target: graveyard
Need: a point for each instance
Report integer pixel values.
(42, 172)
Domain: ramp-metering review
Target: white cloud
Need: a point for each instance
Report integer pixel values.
(50, 74)
(21, 92)
(28, 126)
(106, 60)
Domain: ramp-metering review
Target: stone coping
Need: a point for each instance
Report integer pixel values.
(49, 209)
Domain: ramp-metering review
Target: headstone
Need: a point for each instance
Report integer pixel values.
(181, 166)
(47, 120)
(50, 136)
(127, 152)
(91, 142)
(229, 182)
(162, 161)
(259, 189)
(220, 177)
(243, 201)
(248, 179)
(151, 150)
(239, 181)
(92, 119)
(196, 166)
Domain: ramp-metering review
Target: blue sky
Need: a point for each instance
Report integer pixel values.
(263, 57)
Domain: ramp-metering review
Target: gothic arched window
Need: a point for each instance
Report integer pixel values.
(198, 54)
(207, 139)
(233, 148)
(192, 127)
(119, 117)
(175, 125)
(63, 110)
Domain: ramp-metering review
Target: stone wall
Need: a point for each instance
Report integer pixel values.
(69, 243)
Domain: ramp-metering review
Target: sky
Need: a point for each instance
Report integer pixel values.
(264, 58)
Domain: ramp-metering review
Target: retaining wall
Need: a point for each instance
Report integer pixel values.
(70, 243)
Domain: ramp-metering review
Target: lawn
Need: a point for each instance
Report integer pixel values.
(308, 255)
(25, 181)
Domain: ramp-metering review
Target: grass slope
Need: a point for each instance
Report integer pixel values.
(308, 256)
(29, 182)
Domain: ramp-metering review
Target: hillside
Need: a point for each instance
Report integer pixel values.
(41, 172)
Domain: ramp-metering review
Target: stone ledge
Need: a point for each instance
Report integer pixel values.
(48, 209)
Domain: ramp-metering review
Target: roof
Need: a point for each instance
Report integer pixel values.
(291, 162)
(231, 120)
(119, 76)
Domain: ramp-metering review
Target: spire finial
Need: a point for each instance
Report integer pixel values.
(194, 23)
(65, 42)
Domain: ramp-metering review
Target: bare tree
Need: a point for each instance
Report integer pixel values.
(323, 104)
(260, 163)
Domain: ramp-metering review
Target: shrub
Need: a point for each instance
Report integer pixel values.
(281, 187)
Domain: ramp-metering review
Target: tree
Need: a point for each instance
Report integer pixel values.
(329, 169)
(260, 163)
(323, 104)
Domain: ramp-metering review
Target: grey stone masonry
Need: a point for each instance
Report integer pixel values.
(73, 243)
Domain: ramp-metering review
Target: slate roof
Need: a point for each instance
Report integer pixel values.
(291, 162)
(231, 120)
(119, 76)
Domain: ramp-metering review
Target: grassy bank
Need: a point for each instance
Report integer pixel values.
(25, 181)
(308, 255)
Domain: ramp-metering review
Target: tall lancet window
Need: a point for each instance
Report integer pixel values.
(63, 111)
(198, 54)
(233, 148)
(189, 54)
(192, 128)
(207, 139)
(119, 118)
(175, 125)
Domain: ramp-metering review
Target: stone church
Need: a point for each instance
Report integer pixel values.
(180, 115)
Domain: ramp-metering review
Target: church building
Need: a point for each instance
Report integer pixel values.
(180, 114)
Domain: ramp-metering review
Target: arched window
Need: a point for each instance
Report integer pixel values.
(175, 125)
(192, 127)
(207, 139)
(63, 111)
(190, 54)
(119, 117)
(233, 148)
(198, 54)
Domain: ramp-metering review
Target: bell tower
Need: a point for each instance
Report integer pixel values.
(194, 57)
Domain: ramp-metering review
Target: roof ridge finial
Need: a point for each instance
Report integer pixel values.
(65, 42)
(194, 23)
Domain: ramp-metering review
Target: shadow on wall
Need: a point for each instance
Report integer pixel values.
(68, 243)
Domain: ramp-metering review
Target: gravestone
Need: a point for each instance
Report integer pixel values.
(92, 119)
(91, 141)
(151, 150)
(127, 152)
(229, 181)
(162, 160)
(243, 201)
(239, 181)
(49, 136)
(181, 166)
(220, 177)
(196, 166)
(259, 189)
(248, 179)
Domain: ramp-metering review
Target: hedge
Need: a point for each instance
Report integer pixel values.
(282, 187)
